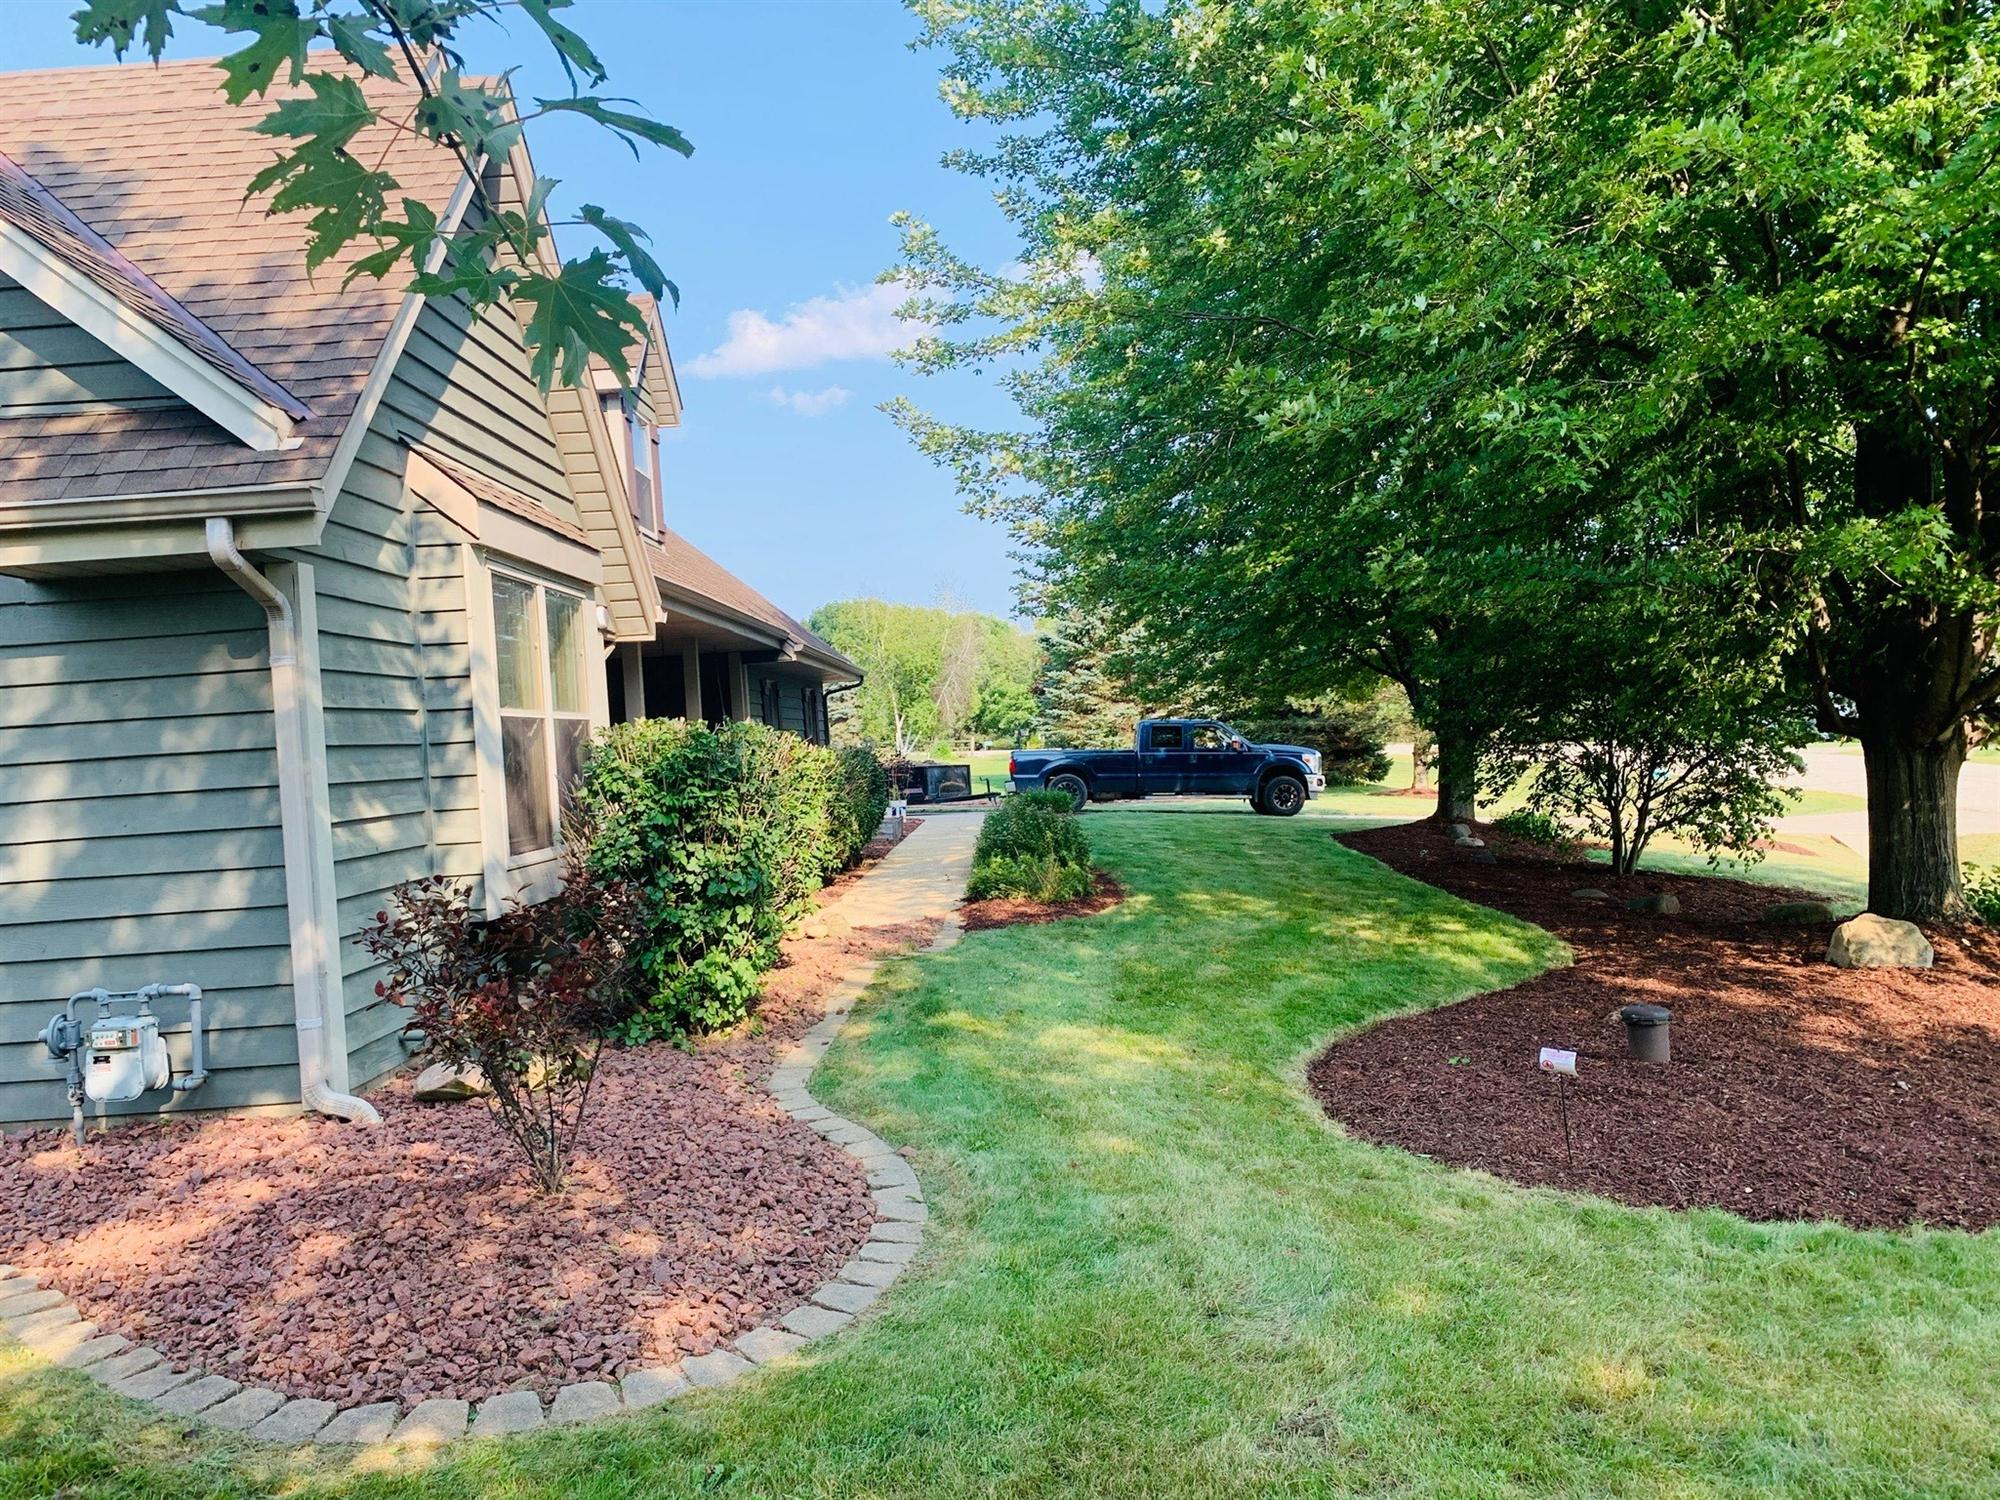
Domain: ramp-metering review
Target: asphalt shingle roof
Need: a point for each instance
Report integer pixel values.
(146, 167)
(679, 564)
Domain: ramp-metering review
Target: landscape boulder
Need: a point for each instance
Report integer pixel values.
(1656, 904)
(1459, 831)
(1589, 893)
(441, 1083)
(1478, 854)
(1800, 911)
(1872, 942)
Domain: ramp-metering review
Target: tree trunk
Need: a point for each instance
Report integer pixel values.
(1909, 664)
(1457, 779)
(1913, 823)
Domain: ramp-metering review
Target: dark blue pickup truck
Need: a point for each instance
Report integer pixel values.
(1178, 757)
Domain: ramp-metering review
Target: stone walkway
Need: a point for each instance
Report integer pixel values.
(920, 880)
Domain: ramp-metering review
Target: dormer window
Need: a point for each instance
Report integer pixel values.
(642, 459)
(643, 439)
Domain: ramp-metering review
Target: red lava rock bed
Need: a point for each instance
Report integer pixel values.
(1797, 1090)
(415, 1260)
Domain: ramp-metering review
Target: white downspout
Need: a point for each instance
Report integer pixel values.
(310, 941)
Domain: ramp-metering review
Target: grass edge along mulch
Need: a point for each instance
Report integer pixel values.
(1153, 1269)
(1797, 1090)
(1013, 911)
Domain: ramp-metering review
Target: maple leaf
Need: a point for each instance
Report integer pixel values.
(120, 21)
(280, 36)
(622, 121)
(333, 116)
(629, 238)
(353, 41)
(576, 313)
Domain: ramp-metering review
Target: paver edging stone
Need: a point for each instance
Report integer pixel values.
(144, 1374)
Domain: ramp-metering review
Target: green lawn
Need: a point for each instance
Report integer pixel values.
(1155, 1270)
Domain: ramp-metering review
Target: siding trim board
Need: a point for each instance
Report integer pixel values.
(263, 422)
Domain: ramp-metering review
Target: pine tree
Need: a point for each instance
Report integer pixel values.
(1081, 704)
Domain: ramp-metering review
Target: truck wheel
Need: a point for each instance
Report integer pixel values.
(1284, 796)
(1074, 788)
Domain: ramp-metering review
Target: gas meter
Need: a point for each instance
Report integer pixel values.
(121, 1054)
(124, 1057)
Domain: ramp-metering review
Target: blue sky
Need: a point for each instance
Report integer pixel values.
(812, 123)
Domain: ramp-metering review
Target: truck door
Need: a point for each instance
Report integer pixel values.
(1216, 768)
(1163, 757)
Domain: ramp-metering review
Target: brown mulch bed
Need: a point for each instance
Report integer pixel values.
(1016, 911)
(415, 1260)
(1797, 1090)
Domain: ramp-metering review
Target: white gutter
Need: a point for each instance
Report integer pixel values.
(311, 948)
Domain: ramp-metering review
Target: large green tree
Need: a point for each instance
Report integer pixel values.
(932, 673)
(1342, 328)
(321, 52)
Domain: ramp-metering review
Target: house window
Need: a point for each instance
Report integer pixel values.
(544, 714)
(642, 458)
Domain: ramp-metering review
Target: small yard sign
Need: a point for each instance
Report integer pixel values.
(1562, 1062)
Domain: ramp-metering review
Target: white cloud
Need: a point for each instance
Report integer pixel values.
(858, 323)
(810, 403)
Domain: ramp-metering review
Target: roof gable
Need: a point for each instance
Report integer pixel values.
(150, 163)
(51, 253)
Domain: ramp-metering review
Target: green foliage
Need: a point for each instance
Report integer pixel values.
(861, 799)
(1669, 727)
(1982, 891)
(1128, 1188)
(1082, 699)
(1032, 846)
(1348, 736)
(577, 309)
(727, 833)
(934, 675)
(1347, 337)
(1534, 826)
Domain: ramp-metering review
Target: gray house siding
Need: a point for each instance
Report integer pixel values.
(49, 365)
(395, 663)
(785, 703)
(139, 815)
(138, 797)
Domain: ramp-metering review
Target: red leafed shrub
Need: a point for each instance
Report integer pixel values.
(525, 998)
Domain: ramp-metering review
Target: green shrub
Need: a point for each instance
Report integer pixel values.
(1982, 891)
(727, 832)
(861, 797)
(1532, 826)
(1032, 845)
(1053, 801)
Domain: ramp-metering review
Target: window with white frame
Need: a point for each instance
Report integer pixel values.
(544, 711)
(642, 457)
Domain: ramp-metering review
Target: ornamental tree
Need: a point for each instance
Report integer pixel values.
(321, 51)
(526, 998)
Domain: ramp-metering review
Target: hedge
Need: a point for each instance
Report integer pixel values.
(727, 832)
(861, 799)
(1032, 845)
